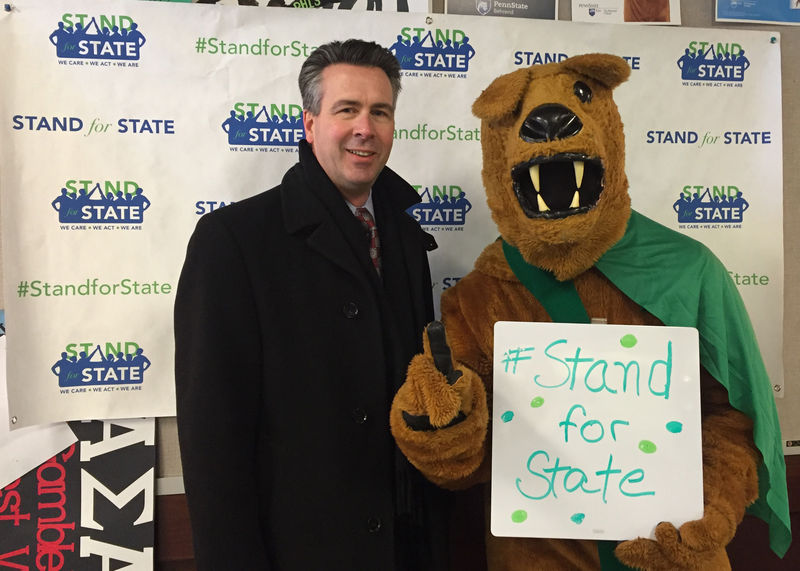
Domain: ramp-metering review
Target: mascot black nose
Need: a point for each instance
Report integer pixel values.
(549, 122)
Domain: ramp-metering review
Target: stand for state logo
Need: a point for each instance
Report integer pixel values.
(716, 62)
(117, 365)
(276, 126)
(101, 37)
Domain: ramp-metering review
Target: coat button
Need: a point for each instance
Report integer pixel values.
(359, 415)
(374, 524)
(350, 309)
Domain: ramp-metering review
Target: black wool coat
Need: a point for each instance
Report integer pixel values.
(289, 349)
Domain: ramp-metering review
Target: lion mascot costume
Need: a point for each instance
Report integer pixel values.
(554, 174)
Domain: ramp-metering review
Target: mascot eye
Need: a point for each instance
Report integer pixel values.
(583, 91)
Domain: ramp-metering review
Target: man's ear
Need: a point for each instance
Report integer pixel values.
(308, 125)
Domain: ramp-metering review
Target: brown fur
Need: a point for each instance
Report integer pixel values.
(459, 455)
(570, 245)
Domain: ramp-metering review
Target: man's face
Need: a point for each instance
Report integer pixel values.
(352, 134)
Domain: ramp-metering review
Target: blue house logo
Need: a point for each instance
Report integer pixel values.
(428, 53)
(441, 206)
(111, 39)
(263, 129)
(82, 207)
(702, 208)
(116, 367)
(713, 62)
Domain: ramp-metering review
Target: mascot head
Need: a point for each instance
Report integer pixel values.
(554, 160)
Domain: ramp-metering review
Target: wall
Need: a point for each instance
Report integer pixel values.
(701, 15)
(749, 548)
(698, 15)
(693, 14)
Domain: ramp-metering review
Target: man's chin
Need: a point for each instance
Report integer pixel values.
(360, 177)
(355, 190)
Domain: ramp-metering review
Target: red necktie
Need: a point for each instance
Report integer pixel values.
(374, 243)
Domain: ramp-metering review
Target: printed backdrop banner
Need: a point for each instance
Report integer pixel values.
(123, 122)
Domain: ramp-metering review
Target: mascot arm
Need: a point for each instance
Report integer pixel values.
(730, 484)
(439, 416)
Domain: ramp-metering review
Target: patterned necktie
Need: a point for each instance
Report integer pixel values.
(374, 243)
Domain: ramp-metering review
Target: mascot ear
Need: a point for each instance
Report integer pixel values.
(610, 70)
(501, 99)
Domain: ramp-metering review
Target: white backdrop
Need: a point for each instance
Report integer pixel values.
(143, 106)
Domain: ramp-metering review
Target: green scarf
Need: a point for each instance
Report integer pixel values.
(680, 281)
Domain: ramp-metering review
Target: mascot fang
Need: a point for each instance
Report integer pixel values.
(571, 249)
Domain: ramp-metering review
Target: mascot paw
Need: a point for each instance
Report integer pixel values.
(439, 416)
(438, 389)
(697, 544)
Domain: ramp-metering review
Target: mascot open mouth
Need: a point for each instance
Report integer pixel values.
(559, 186)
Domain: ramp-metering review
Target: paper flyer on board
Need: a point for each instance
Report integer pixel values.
(540, 9)
(784, 12)
(664, 12)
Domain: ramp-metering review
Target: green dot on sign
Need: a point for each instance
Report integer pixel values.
(628, 341)
(519, 516)
(577, 518)
(507, 416)
(647, 447)
(674, 427)
(537, 402)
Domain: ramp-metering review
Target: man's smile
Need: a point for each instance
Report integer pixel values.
(360, 153)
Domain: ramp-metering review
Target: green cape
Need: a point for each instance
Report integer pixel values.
(680, 281)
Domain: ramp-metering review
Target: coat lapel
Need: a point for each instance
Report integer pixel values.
(313, 206)
(400, 197)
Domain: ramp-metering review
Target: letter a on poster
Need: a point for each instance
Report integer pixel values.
(596, 430)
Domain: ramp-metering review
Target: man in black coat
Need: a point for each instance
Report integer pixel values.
(291, 342)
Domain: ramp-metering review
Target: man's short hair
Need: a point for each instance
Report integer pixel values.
(353, 52)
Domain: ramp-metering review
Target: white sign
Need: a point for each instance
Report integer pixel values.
(596, 430)
(26, 448)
